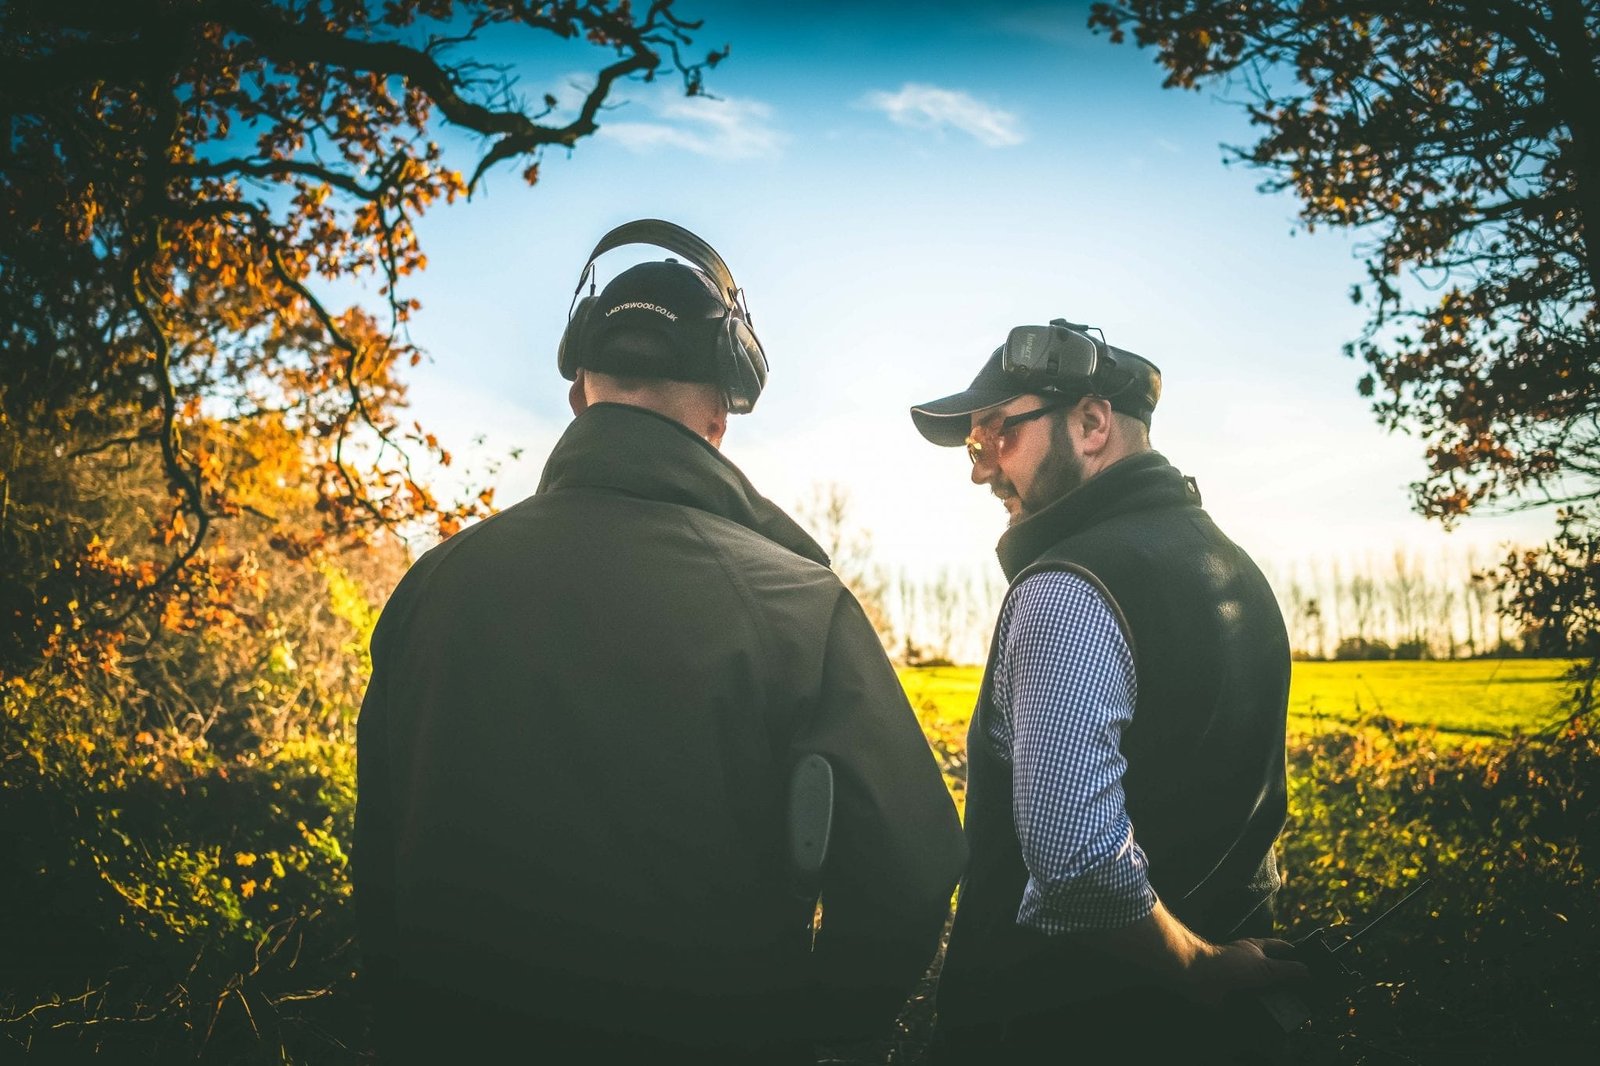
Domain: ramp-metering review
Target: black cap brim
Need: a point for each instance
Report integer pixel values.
(947, 422)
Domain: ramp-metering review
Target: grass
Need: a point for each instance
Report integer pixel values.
(1467, 698)
(1401, 772)
(1479, 697)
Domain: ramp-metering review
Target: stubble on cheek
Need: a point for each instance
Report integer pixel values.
(1059, 474)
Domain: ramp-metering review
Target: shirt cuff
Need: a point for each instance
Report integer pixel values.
(1111, 893)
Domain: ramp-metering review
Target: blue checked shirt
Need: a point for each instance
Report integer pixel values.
(1063, 690)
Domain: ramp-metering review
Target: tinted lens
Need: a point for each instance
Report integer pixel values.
(989, 439)
(983, 443)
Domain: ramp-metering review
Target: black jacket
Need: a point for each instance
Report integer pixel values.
(1204, 783)
(574, 754)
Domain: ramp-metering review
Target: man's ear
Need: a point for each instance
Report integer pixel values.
(1092, 424)
(576, 396)
(716, 426)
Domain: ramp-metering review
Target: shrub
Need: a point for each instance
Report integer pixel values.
(172, 855)
(1362, 648)
(1490, 964)
(166, 904)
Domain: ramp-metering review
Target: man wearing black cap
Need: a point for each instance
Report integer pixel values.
(577, 749)
(1126, 758)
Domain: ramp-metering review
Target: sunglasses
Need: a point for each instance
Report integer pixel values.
(985, 441)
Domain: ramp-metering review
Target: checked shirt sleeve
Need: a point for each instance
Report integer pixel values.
(1064, 689)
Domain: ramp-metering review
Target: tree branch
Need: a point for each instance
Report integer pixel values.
(284, 40)
(222, 168)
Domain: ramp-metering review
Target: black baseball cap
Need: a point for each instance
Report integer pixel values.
(947, 422)
(656, 320)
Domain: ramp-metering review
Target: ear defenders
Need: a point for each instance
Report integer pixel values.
(741, 364)
(1064, 357)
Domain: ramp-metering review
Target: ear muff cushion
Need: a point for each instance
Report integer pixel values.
(745, 367)
(572, 338)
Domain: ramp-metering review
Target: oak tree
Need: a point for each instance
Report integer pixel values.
(180, 182)
(1461, 137)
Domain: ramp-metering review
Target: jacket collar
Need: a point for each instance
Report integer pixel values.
(1138, 483)
(617, 448)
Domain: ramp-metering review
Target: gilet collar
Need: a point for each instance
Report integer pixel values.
(1140, 482)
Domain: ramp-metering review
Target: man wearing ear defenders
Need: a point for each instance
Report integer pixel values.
(577, 747)
(1126, 757)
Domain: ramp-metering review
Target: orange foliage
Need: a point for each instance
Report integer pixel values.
(176, 183)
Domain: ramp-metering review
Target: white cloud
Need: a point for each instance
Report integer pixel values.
(928, 107)
(722, 128)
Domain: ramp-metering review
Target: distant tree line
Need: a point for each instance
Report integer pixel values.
(1402, 605)
(1530, 602)
(934, 618)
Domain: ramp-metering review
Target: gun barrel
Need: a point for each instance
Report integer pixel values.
(1370, 925)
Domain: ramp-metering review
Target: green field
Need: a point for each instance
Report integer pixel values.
(1470, 698)
(1479, 697)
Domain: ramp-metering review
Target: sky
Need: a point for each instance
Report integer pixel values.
(895, 191)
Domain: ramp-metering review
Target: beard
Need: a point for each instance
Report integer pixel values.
(1060, 472)
(1007, 494)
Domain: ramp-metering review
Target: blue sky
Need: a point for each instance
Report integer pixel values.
(895, 192)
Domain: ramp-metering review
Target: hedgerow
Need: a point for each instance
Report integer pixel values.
(1495, 960)
(167, 902)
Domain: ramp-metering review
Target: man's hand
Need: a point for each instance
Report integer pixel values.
(1193, 966)
(1222, 969)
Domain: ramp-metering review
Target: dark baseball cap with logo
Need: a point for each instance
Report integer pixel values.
(655, 320)
(947, 421)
